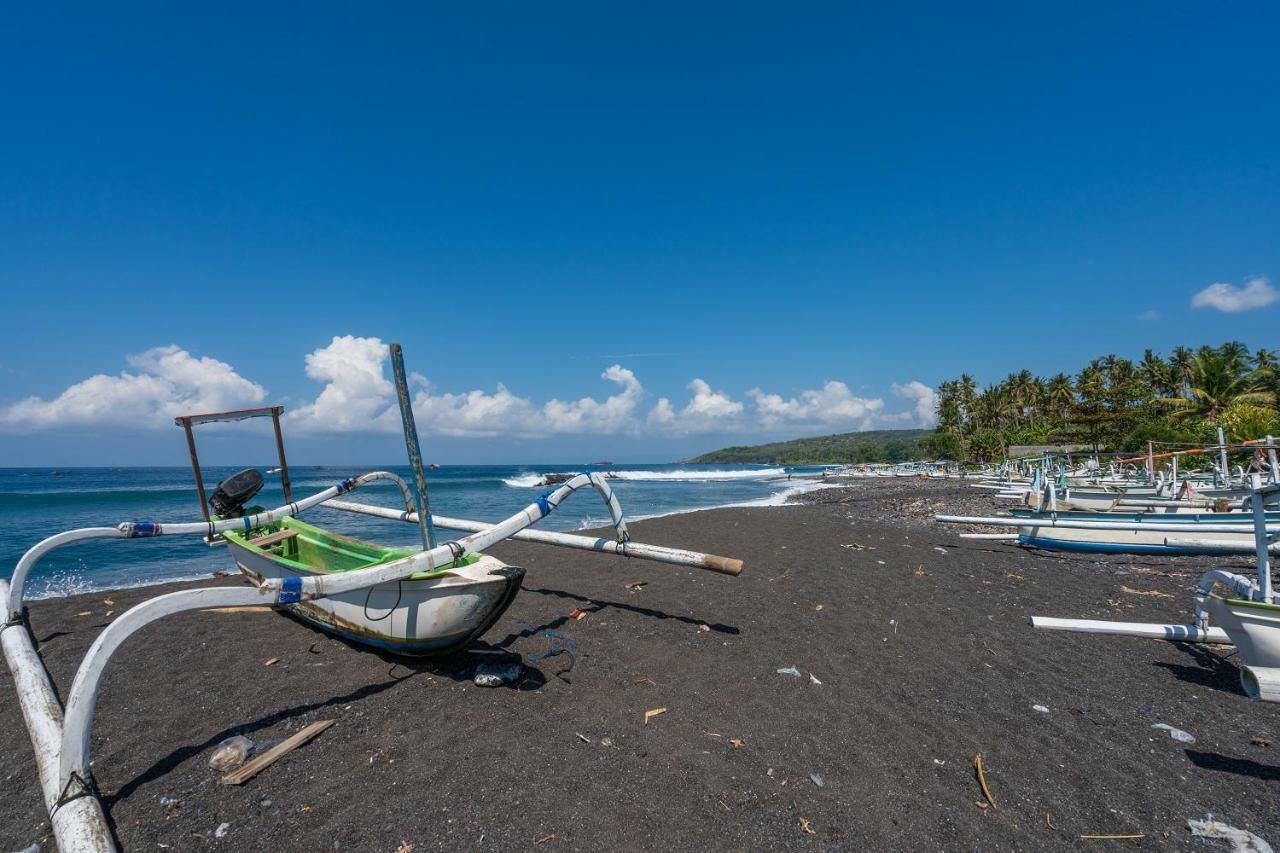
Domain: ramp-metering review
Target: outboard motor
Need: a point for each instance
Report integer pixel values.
(234, 492)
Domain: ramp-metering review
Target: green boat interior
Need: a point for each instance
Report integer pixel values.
(306, 548)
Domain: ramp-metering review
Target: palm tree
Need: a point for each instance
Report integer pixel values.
(1215, 384)
(1060, 395)
(1180, 361)
(1157, 373)
(1236, 356)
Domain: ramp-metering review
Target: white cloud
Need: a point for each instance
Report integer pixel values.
(168, 381)
(926, 401)
(1149, 316)
(707, 411)
(358, 396)
(832, 404)
(1256, 293)
(588, 415)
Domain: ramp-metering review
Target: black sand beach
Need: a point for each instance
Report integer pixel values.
(920, 643)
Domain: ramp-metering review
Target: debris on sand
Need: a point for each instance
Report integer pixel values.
(789, 670)
(1041, 708)
(982, 782)
(1242, 841)
(807, 826)
(817, 779)
(649, 715)
(1177, 734)
(497, 674)
(231, 753)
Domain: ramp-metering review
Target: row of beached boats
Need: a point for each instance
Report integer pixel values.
(1099, 509)
(431, 600)
(1114, 510)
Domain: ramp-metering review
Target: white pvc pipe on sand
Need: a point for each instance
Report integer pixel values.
(1175, 633)
(660, 553)
(78, 824)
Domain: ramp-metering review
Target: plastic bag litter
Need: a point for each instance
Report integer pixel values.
(789, 670)
(497, 674)
(1242, 840)
(1177, 734)
(231, 753)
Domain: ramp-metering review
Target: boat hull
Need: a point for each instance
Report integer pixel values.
(1253, 627)
(434, 615)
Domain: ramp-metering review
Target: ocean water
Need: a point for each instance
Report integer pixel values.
(38, 502)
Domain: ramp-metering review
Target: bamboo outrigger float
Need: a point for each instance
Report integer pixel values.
(429, 601)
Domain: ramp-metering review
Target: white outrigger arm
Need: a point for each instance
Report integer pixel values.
(1250, 614)
(62, 745)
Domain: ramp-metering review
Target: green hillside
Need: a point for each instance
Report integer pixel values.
(886, 445)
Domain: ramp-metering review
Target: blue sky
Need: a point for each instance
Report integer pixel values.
(762, 198)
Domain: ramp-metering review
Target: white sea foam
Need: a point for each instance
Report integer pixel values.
(677, 476)
(526, 481)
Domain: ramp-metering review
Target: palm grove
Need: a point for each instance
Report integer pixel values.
(1114, 404)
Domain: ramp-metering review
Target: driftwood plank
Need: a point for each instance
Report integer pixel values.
(254, 766)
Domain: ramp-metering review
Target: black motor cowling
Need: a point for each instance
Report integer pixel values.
(234, 492)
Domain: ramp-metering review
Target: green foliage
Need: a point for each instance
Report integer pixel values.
(942, 445)
(896, 445)
(1115, 404)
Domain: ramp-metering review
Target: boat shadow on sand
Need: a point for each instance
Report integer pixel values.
(1239, 766)
(595, 605)
(1208, 669)
(458, 666)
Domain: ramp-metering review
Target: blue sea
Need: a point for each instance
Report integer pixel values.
(38, 502)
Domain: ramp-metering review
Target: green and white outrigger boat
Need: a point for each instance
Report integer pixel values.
(433, 600)
(430, 612)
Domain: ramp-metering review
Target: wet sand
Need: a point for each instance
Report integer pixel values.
(924, 659)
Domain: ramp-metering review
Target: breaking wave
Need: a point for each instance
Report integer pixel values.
(529, 481)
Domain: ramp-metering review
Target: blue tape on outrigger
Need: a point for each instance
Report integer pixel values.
(142, 529)
(291, 591)
(543, 505)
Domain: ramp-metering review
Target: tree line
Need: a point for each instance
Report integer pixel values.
(1114, 404)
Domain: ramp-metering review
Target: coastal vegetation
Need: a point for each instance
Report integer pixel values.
(1114, 404)
(888, 445)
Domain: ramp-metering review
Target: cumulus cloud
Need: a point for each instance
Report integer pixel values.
(832, 404)
(707, 411)
(165, 382)
(1256, 293)
(926, 400)
(588, 415)
(357, 395)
